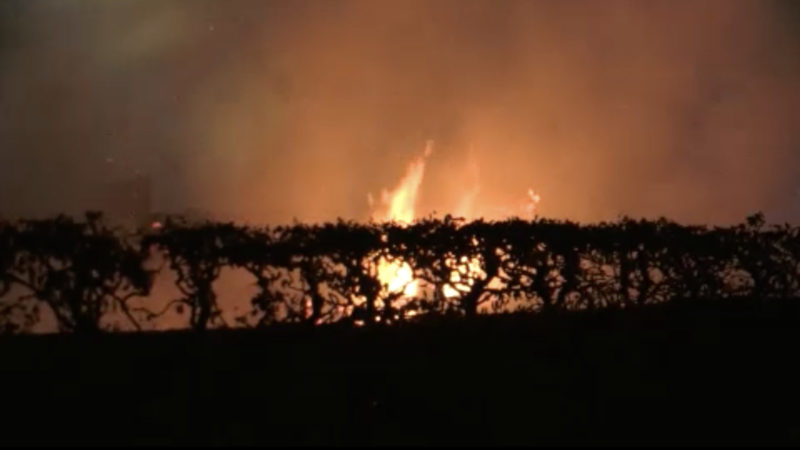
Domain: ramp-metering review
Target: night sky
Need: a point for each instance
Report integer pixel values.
(268, 111)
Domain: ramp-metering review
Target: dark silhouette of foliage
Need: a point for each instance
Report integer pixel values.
(81, 270)
(16, 314)
(7, 256)
(196, 253)
(329, 272)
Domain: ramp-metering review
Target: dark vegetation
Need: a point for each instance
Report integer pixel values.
(627, 332)
(83, 270)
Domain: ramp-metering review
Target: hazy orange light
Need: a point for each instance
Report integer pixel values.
(399, 205)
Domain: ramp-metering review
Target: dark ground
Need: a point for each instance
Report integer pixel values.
(721, 373)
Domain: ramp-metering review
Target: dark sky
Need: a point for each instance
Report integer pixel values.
(267, 111)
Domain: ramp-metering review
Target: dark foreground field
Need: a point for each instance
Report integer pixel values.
(722, 372)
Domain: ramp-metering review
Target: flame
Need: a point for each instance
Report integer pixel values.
(399, 205)
(397, 276)
(533, 201)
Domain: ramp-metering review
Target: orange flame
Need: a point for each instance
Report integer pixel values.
(533, 201)
(399, 205)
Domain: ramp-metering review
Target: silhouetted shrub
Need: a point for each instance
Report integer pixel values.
(333, 272)
(79, 270)
(196, 253)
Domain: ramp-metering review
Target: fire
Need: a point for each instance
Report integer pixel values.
(533, 201)
(401, 202)
(397, 276)
(399, 205)
(463, 275)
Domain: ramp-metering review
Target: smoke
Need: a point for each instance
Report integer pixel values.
(268, 111)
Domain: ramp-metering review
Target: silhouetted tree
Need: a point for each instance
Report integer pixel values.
(263, 256)
(80, 270)
(349, 251)
(16, 313)
(196, 253)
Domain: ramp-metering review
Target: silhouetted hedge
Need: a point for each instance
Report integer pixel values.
(83, 270)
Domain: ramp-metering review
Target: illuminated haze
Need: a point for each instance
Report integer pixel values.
(269, 111)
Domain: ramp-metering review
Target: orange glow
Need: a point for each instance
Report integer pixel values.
(533, 202)
(401, 202)
(465, 207)
(396, 277)
(463, 276)
(399, 205)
